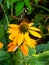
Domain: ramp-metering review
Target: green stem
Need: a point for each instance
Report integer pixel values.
(5, 13)
(24, 62)
(12, 9)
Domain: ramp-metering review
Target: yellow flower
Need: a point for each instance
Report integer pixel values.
(1, 45)
(19, 34)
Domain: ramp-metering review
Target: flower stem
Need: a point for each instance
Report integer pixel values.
(5, 14)
(11, 9)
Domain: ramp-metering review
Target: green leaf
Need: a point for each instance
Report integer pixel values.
(11, 1)
(5, 23)
(44, 1)
(37, 20)
(18, 57)
(4, 55)
(0, 1)
(42, 47)
(34, 61)
(32, 51)
(27, 3)
(19, 8)
(39, 59)
(36, 1)
(8, 4)
(44, 56)
(1, 31)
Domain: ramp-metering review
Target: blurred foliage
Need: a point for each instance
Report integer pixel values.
(42, 47)
(13, 11)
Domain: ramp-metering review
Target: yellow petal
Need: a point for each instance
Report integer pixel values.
(15, 40)
(1, 45)
(10, 30)
(27, 38)
(12, 35)
(24, 49)
(34, 28)
(15, 48)
(32, 45)
(28, 41)
(11, 48)
(31, 24)
(36, 34)
(13, 25)
(10, 44)
(33, 41)
(20, 39)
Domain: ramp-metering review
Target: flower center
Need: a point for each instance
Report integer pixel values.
(23, 27)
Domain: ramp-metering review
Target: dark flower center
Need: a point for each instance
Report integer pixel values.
(23, 27)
